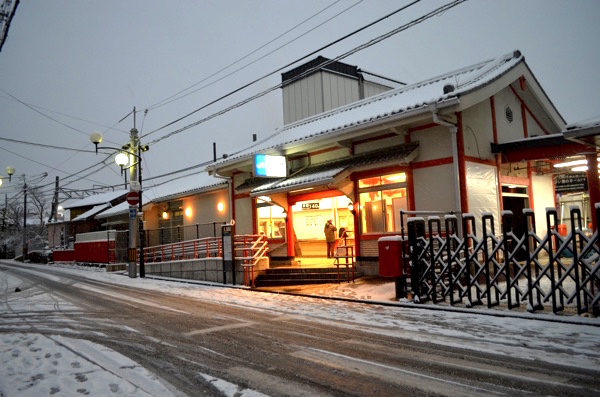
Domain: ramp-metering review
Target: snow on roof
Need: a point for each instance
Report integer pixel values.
(96, 199)
(119, 209)
(183, 185)
(91, 212)
(584, 125)
(389, 103)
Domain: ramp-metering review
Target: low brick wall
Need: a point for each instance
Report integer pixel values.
(64, 255)
(201, 270)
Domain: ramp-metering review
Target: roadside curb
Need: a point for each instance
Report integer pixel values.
(574, 319)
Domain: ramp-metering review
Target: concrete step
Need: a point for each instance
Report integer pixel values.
(299, 276)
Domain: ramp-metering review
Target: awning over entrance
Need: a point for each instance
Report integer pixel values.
(336, 170)
(585, 133)
(538, 148)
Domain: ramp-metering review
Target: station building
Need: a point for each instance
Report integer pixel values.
(358, 153)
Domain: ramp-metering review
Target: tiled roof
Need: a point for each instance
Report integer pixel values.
(394, 102)
(96, 199)
(584, 125)
(183, 186)
(320, 173)
(91, 212)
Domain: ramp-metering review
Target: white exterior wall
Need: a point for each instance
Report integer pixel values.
(434, 188)
(303, 98)
(478, 131)
(533, 129)
(243, 216)
(482, 191)
(372, 89)
(338, 90)
(508, 131)
(543, 197)
(434, 143)
(204, 207)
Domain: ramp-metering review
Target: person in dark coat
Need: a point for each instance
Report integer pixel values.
(330, 237)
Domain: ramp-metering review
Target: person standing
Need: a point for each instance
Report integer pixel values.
(330, 237)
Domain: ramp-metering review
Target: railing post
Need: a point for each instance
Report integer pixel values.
(576, 229)
(529, 226)
(552, 220)
(416, 229)
(507, 217)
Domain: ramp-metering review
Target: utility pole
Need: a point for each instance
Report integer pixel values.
(24, 253)
(133, 224)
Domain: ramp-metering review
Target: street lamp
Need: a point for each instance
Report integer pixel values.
(10, 172)
(130, 154)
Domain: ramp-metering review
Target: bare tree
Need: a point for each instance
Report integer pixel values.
(39, 210)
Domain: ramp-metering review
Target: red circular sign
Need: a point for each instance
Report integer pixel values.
(133, 198)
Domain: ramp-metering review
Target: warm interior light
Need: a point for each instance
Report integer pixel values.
(165, 215)
(121, 159)
(0, 181)
(220, 207)
(188, 212)
(582, 168)
(350, 206)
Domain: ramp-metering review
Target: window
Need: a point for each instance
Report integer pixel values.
(381, 199)
(271, 219)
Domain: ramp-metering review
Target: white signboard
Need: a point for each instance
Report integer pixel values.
(270, 166)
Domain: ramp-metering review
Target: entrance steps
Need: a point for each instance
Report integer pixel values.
(297, 276)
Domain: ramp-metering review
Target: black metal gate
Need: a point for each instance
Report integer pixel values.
(489, 268)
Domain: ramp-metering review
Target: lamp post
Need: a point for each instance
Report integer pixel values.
(10, 172)
(130, 154)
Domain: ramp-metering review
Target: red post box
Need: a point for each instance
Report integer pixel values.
(390, 256)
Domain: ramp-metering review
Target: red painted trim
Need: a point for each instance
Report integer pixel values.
(313, 196)
(410, 185)
(528, 110)
(538, 153)
(593, 185)
(530, 184)
(524, 118)
(513, 180)
(522, 83)
(254, 217)
(494, 126)
(431, 163)
(480, 161)
(232, 203)
(462, 166)
(380, 171)
(422, 127)
(241, 196)
(497, 160)
(290, 231)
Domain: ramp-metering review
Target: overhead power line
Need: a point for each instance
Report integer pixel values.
(361, 47)
(175, 97)
(285, 67)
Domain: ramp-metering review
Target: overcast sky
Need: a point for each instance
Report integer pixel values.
(69, 68)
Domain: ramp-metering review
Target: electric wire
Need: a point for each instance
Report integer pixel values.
(167, 100)
(285, 66)
(361, 47)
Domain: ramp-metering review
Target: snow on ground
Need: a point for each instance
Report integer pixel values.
(32, 363)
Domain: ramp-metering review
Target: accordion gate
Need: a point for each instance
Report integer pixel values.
(491, 269)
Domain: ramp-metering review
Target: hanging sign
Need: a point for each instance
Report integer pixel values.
(270, 166)
(567, 183)
(310, 206)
